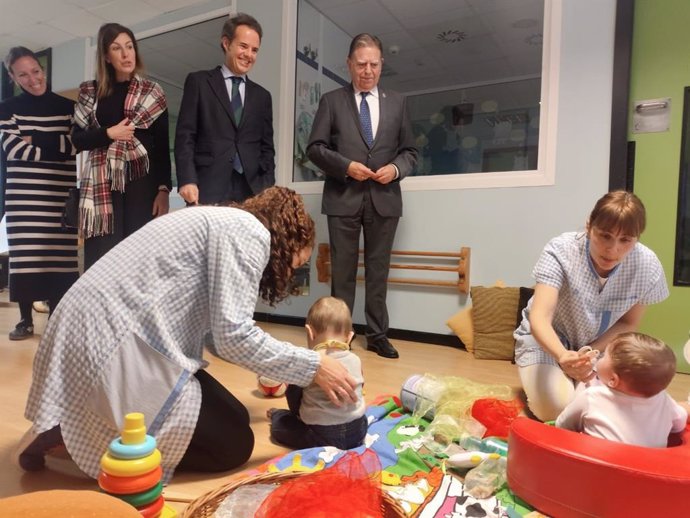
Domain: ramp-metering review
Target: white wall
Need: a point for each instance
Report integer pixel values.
(69, 64)
(73, 61)
(266, 71)
(507, 227)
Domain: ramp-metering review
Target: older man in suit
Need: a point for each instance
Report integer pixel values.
(363, 142)
(224, 138)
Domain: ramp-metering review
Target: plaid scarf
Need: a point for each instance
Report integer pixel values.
(110, 168)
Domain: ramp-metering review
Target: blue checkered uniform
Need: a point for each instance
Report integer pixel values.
(585, 310)
(182, 275)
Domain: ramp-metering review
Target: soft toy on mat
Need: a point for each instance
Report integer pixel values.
(271, 388)
(351, 488)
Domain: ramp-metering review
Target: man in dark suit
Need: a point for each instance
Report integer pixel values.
(224, 137)
(363, 142)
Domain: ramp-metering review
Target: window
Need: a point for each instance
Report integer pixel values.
(473, 72)
(172, 54)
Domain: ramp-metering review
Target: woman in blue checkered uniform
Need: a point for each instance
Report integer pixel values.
(130, 333)
(591, 286)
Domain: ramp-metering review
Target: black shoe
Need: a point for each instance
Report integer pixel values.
(22, 331)
(354, 335)
(32, 449)
(383, 347)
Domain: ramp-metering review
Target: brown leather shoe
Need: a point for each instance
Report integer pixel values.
(383, 347)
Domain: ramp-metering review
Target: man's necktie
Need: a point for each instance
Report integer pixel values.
(236, 105)
(365, 119)
(236, 99)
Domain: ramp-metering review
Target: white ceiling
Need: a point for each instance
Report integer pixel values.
(501, 38)
(499, 35)
(39, 24)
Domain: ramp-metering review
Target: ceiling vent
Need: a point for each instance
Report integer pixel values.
(451, 36)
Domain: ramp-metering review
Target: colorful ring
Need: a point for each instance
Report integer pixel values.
(143, 498)
(130, 468)
(132, 451)
(153, 509)
(127, 485)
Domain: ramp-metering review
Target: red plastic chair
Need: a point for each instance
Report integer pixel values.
(570, 475)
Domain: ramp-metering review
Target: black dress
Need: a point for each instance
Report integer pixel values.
(132, 208)
(43, 255)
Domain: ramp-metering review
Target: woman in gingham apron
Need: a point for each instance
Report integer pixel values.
(590, 286)
(129, 336)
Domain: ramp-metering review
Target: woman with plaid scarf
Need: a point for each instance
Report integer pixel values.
(121, 119)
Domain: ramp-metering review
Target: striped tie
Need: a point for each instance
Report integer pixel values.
(236, 105)
(365, 119)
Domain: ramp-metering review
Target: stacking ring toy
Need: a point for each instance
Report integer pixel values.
(130, 467)
(126, 485)
(153, 509)
(132, 451)
(145, 497)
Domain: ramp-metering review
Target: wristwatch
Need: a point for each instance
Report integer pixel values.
(163, 188)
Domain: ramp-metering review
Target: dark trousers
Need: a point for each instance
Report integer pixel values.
(234, 189)
(26, 308)
(239, 189)
(132, 209)
(288, 429)
(379, 233)
(222, 439)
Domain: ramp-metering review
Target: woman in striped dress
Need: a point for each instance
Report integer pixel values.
(40, 169)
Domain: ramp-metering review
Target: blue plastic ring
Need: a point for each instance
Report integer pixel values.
(132, 451)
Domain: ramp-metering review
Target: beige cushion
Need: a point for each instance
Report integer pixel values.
(493, 316)
(461, 325)
(75, 504)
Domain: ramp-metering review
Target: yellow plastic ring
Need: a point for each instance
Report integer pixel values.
(130, 467)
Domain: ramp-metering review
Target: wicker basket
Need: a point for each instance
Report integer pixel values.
(205, 506)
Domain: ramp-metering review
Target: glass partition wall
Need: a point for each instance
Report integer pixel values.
(471, 69)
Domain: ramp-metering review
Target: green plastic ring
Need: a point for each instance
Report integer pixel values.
(143, 498)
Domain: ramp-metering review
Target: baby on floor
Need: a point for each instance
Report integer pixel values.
(312, 419)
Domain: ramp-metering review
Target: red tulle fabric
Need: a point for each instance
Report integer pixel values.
(496, 415)
(351, 488)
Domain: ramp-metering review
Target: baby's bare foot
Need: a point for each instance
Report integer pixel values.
(269, 412)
